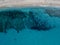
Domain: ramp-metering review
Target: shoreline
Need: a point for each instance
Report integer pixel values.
(30, 4)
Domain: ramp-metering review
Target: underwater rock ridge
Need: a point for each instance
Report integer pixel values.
(19, 20)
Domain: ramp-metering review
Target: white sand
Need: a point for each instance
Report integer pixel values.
(10, 3)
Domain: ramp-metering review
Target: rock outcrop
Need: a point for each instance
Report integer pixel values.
(19, 19)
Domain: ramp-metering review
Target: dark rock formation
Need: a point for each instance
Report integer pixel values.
(20, 20)
(11, 19)
(53, 12)
(38, 24)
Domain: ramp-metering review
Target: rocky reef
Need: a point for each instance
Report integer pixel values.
(35, 19)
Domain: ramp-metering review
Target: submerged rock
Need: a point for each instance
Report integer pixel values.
(53, 12)
(20, 19)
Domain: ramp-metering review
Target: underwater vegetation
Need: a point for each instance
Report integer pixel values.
(35, 19)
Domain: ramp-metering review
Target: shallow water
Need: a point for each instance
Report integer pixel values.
(34, 37)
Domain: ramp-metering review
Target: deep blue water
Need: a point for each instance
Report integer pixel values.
(34, 37)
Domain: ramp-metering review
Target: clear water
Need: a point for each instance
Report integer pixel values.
(33, 37)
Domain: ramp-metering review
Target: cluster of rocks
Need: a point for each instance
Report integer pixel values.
(19, 20)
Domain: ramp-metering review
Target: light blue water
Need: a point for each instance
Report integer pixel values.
(33, 37)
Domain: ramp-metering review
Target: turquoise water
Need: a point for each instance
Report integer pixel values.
(34, 37)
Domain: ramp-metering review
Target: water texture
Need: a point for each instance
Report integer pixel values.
(30, 26)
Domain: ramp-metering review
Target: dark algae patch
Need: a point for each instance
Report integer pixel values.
(21, 18)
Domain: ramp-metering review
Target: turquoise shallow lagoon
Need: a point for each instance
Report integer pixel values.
(34, 37)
